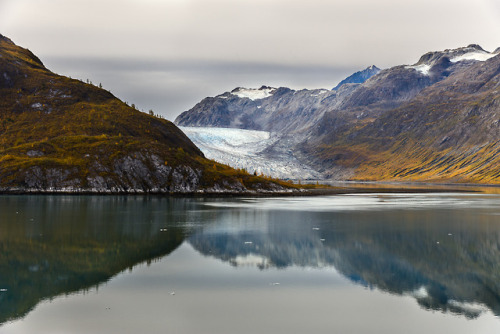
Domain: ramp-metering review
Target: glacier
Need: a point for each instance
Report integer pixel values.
(250, 150)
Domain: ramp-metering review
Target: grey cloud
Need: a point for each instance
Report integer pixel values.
(171, 87)
(168, 55)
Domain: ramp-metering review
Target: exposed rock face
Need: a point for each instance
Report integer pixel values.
(131, 174)
(52, 178)
(447, 100)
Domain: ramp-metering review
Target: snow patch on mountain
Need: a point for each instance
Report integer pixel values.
(423, 68)
(476, 55)
(319, 93)
(246, 149)
(254, 94)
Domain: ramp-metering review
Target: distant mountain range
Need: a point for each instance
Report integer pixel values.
(436, 120)
(58, 134)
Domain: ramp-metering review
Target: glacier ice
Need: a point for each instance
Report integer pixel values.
(248, 149)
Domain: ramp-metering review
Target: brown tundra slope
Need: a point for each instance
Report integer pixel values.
(58, 134)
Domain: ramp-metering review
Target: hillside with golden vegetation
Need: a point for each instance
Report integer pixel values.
(58, 134)
(449, 132)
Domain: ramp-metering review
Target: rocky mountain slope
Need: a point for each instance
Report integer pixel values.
(449, 131)
(62, 135)
(434, 120)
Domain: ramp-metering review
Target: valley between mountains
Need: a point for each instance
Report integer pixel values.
(437, 120)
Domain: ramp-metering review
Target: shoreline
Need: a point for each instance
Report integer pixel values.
(340, 188)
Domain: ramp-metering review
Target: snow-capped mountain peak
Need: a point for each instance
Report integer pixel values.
(428, 61)
(252, 93)
(470, 52)
(360, 76)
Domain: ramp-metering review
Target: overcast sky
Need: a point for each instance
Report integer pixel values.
(166, 55)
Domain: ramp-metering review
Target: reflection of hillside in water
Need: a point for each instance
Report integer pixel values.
(447, 260)
(58, 245)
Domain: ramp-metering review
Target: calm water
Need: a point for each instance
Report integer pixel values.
(404, 263)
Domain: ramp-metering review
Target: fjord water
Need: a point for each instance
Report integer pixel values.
(364, 263)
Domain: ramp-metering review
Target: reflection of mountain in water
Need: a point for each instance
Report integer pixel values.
(447, 260)
(58, 245)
